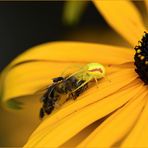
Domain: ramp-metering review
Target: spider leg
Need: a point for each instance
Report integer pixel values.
(80, 71)
(70, 67)
(96, 82)
(83, 84)
(107, 79)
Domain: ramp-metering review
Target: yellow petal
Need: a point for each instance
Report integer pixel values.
(124, 17)
(85, 115)
(118, 125)
(77, 52)
(35, 68)
(16, 126)
(138, 136)
(74, 141)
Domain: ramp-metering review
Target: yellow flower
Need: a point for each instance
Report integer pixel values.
(123, 17)
(113, 114)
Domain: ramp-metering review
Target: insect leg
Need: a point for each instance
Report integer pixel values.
(50, 90)
(72, 95)
(42, 113)
(56, 105)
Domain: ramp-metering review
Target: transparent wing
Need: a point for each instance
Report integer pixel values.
(42, 90)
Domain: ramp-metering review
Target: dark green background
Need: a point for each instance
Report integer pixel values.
(25, 24)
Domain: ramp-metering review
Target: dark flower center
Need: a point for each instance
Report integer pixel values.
(141, 58)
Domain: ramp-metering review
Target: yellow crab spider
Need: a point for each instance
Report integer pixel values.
(89, 72)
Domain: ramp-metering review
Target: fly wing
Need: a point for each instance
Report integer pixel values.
(42, 90)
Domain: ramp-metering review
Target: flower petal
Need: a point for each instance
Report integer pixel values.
(16, 126)
(56, 123)
(77, 52)
(117, 125)
(35, 68)
(138, 136)
(124, 17)
(75, 140)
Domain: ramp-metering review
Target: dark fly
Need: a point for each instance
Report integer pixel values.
(60, 86)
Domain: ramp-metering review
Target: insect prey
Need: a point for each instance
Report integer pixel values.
(70, 86)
